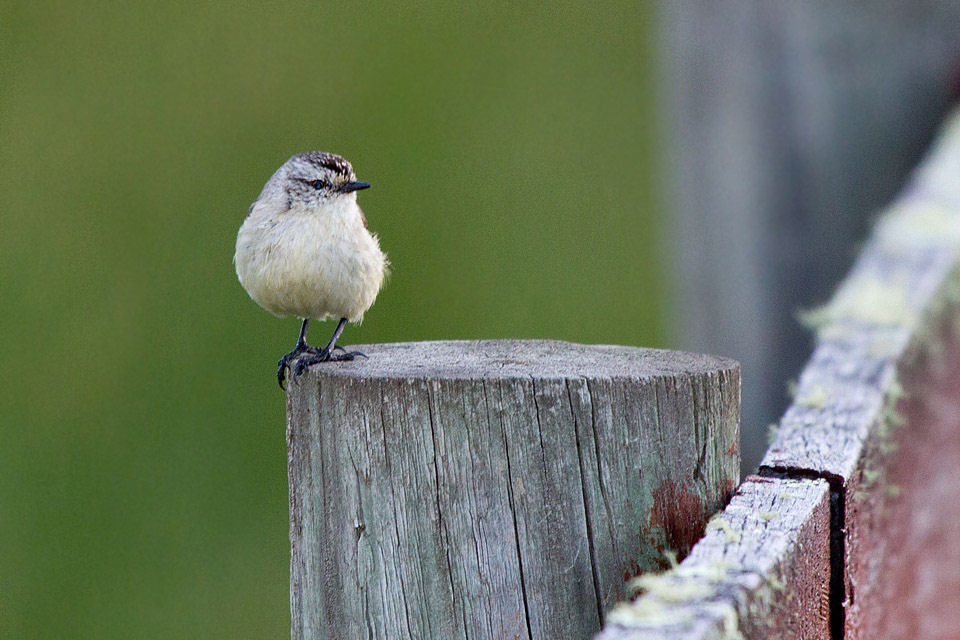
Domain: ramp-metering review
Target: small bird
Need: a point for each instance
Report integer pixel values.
(304, 250)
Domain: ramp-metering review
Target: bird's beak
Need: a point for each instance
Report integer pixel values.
(347, 187)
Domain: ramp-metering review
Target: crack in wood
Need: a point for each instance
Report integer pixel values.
(838, 571)
(393, 504)
(589, 523)
(454, 595)
(516, 527)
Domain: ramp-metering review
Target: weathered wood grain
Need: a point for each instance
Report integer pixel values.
(761, 571)
(498, 489)
(880, 389)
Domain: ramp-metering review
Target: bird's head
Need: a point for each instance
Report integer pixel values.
(316, 177)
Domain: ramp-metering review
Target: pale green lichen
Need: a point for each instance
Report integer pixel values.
(815, 397)
(895, 391)
(941, 314)
(719, 523)
(890, 420)
(671, 557)
(927, 350)
(792, 388)
(939, 171)
(907, 224)
(888, 447)
(671, 598)
(772, 429)
(715, 571)
(775, 583)
(767, 516)
(864, 299)
(649, 612)
(731, 624)
(768, 602)
(669, 588)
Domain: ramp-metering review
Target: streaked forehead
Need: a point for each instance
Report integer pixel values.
(314, 162)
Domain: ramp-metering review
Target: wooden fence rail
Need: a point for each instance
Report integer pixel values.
(873, 432)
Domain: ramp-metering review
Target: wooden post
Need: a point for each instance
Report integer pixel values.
(498, 489)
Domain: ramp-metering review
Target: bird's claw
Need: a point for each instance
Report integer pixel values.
(298, 363)
(321, 355)
(285, 363)
(338, 354)
(282, 365)
(346, 355)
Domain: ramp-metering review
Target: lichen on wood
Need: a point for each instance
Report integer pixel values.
(774, 533)
(876, 417)
(888, 350)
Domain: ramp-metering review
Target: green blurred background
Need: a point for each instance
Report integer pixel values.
(513, 154)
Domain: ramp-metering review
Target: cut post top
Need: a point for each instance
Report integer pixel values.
(542, 359)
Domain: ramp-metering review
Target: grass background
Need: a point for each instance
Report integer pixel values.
(512, 149)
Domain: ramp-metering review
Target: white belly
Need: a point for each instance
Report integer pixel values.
(309, 263)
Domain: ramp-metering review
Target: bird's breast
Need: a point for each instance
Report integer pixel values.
(314, 263)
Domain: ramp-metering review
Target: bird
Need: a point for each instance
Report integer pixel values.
(304, 250)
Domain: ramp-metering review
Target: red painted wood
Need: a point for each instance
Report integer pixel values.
(903, 513)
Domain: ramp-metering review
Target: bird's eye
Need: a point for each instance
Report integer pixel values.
(319, 184)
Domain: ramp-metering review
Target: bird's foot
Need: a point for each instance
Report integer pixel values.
(287, 361)
(338, 354)
(321, 355)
